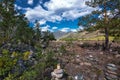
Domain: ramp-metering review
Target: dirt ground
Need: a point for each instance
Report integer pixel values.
(89, 61)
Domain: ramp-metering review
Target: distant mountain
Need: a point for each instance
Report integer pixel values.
(82, 35)
(58, 34)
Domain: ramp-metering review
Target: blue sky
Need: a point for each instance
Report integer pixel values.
(54, 14)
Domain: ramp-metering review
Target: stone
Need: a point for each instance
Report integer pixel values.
(90, 56)
(117, 56)
(111, 72)
(77, 56)
(101, 53)
(111, 67)
(81, 63)
(78, 77)
(85, 63)
(57, 73)
(81, 43)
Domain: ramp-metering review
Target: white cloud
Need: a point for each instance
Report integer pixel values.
(17, 7)
(69, 4)
(57, 4)
(74, 14)
(54, 27)
(42, 22)
(45, 28)
(70, 9)
(73, 30)
(37, 13)
(65, 29)
(58, 10)
(55, 18)
(30, 2)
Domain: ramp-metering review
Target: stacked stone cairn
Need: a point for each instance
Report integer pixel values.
(111, 72)
(58, 73)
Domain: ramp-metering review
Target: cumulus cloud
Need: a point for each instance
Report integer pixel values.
(37, 13)
(53, 28)
(73, 30)
(42, 22)
(74, 14)
(58, 10)
(30, 2)
(45, 28)
(58, 4)
(68, 4)
(65, 29)
(70, 9)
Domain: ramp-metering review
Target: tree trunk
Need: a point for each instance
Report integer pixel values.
(106, 38)
(106, 28)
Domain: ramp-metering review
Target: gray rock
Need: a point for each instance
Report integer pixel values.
(111, 72)
(57, 73)
(78, 77)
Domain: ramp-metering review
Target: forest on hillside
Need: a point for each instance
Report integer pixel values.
(27, 53)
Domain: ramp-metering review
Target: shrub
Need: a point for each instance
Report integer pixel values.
(62, 49)
(26, 55)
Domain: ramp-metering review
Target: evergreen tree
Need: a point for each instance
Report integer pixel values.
(37, 35)
(113, 6)
(51, 36)
(8, 14)
(13, 24)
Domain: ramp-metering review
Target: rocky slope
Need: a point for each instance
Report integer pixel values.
(59, 34)
(82, 35)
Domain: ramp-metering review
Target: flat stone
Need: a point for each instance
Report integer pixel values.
(112, 65)
(57, 76)
(111, 68)
(58, 71)
(111, 72)
(111, 76)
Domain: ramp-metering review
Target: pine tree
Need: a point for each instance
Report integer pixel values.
(37, 35)
(13, 24)
(104, 22)
(8, 15)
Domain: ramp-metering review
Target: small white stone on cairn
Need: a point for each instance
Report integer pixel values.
(57, 73)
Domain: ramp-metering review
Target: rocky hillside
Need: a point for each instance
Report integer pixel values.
(83, 35)
(59, 34)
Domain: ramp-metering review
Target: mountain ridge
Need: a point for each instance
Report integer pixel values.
(82, 35)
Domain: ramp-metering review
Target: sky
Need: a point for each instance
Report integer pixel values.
(54, 15)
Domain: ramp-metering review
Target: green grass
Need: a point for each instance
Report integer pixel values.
(94, 38)
(100, 38)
